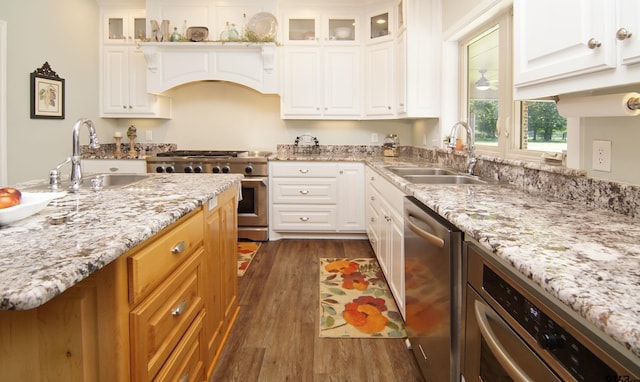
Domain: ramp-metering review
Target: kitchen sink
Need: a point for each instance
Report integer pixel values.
(97, 182)
(444, 179)
(404, 171)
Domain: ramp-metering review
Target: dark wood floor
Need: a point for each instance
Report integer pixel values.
(275, 337)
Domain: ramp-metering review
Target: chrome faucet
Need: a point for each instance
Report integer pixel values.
(75, 179)
(471, 148)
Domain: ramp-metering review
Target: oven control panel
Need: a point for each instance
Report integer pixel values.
(549, 335)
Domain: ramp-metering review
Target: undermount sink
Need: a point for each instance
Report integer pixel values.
(404, 171)
(112, 180)
(444, 179)
(97, 182)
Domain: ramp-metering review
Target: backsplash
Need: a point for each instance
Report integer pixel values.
(538, 178)
(107, 150)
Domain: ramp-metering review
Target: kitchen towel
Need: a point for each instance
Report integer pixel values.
(611, 105)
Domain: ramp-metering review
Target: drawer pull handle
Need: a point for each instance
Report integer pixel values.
(304, 192)
(304, 218)
(304, 170)
(179, 248)
(178, 310)
(185, 377)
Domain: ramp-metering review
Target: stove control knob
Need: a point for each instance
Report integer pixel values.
(170, 169)
(216, 169)
(159, 169)
(226, 169)
(248, 169)
(188, 169)
(549, 340)
(197, 169)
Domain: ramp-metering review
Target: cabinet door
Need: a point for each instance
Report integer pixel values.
(342, 82)
(557, 39)
(401, 73)
(396, 259)
(301, 28)
(379, 83)
(629, 19)
(351, 205)
(139, 100)
(123, 26)
(115, 92)
(301, 84)
(380, 25)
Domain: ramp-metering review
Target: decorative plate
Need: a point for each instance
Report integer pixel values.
(30, 204)
(197, 34)
(264, 25)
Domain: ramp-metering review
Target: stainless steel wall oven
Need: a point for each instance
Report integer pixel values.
(514, 331)
(253, 209)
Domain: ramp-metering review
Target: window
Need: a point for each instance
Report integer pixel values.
(502, 126)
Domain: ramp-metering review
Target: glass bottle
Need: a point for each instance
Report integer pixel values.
(390, 145)
(233, 33)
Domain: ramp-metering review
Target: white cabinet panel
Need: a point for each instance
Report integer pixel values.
(558, 38)
(379, 100)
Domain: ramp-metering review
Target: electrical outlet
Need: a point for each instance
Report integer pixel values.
(601, 156)
(374, 137)
(149, 135)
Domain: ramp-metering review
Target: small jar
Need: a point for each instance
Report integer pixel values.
(390, 145)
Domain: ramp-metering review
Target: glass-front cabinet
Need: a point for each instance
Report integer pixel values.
(321, 28)
(124, 26)
(379, 26)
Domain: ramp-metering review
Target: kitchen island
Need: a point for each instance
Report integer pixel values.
(587, 258)
(118, 284)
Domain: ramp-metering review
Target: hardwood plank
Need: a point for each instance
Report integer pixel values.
(275, 337)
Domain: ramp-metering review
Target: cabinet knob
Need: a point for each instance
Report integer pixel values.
(304, 218)
(593, 43)
(304, 170)
(179, 248)
(623, 34)
(179, 309)
(304, 192)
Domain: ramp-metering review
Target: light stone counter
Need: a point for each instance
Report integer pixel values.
(586, 257)
(40, 257)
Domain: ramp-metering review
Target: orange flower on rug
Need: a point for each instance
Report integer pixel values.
(246, 251)
(355, 301)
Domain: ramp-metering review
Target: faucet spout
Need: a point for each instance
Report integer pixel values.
(471, 148)
(75, 179)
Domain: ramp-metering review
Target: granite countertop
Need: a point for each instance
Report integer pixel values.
(41, 257)
(587, 258)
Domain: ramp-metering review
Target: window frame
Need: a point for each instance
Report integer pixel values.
(509, 116)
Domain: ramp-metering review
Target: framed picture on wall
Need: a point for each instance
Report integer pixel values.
(47, 94)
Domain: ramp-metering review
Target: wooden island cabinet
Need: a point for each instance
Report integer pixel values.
(160, 312)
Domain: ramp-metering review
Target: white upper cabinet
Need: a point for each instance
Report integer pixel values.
(574, 45)
(321, 82)
(123, 68)
(380, 25)
(123, 26)
(311, 28)
(628, 31)
(380, 88)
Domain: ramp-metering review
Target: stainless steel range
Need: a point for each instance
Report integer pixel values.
(253, 220)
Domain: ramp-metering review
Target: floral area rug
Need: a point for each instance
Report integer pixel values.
(355, 301)
(246, 251)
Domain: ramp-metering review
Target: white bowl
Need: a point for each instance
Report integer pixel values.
(31, 203)
(343, 32)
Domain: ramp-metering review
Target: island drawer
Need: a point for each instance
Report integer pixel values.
(152, 264)
(185, 363)
(161, 320)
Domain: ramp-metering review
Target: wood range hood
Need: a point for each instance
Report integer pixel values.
(170, 64)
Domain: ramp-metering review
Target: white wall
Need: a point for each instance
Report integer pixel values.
(65, 34)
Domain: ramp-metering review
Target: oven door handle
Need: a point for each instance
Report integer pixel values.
(428, 236)
(261, 180)
(483, 315)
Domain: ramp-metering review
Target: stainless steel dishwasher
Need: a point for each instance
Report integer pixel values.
(433, 291)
